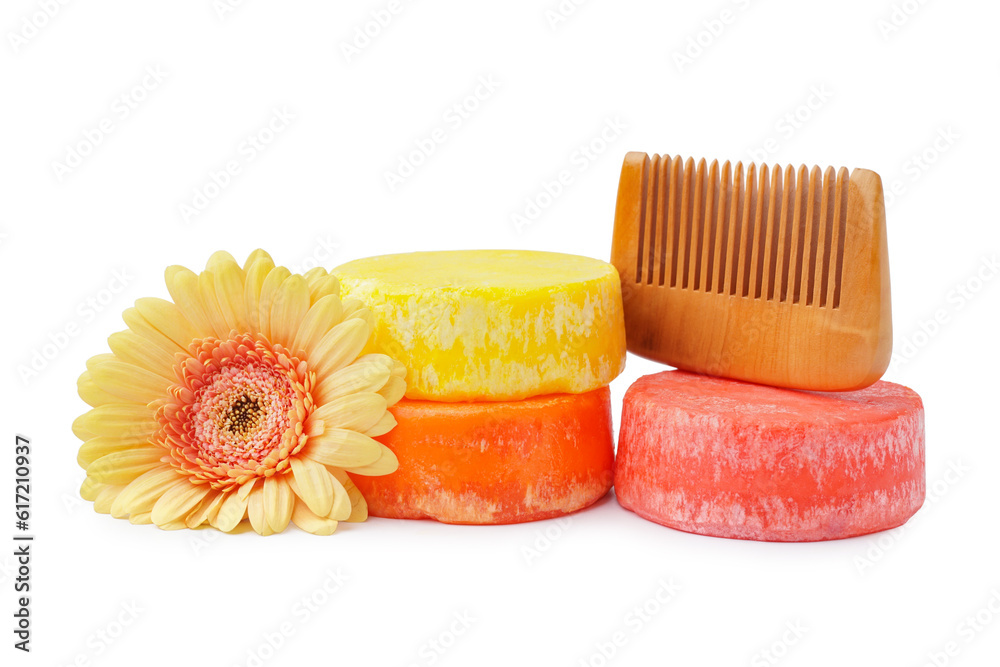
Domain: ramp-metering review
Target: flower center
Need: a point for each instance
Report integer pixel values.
(244, 415)
(241, 416)
(237, 410)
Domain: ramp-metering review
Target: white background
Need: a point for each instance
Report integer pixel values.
(886, 96)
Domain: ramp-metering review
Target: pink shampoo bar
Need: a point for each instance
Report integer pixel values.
(733, 459)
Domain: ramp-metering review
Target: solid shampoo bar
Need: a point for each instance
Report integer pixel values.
(732, 459)
(493, 324)
(501, 462)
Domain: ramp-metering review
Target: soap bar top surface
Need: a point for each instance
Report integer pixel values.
(745, 402)
(493, 325)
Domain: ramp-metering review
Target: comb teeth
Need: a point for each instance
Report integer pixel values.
(776, 235)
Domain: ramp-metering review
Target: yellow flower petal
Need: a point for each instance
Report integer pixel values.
(132, 348)
(140, 519)
(100, 446)
(354, 309)
(229, 291)
(173, 525)
(315, 275)
(257, 255)
(141, 326)
(91, 394)
(129, 382)
(387, 463)
(313, 484)
(289, 306)
(232, 511)
(359, 506)
(320, 318)
(339, 347)
(132, 422)
(104, 499)
(279, 501)
(99, 359)
(368, 373)
(358, 411)
(143, 492)
(269, 291)
(341, 509)
(220, 258)
(206, 287)
(168, 319)
(206, 511)
(177, 502)
(393, 390)
(246, 488)
(183, 286)
(90, 489)
(308, 521)
(121, 467)
(256, 273)
(328, 286)
(383, 426)
(341, 448)
(256, 513)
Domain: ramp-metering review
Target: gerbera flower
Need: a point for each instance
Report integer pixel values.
(244, 397)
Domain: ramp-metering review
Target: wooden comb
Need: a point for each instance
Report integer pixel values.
(777, 276)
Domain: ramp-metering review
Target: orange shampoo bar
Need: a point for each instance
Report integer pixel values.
(495, 462)
(733, 459)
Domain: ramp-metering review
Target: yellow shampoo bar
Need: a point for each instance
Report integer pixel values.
(493, 325)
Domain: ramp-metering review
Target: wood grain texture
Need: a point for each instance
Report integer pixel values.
(771, 275)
